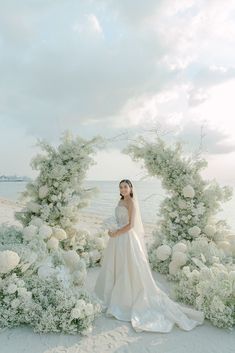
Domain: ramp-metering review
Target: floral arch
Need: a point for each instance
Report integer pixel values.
(48, 256)
(191, 246)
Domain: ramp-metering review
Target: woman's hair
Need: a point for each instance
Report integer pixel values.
(129, 183)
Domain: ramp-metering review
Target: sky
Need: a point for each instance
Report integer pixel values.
(119, 69)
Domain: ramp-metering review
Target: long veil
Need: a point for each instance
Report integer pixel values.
(138, 224)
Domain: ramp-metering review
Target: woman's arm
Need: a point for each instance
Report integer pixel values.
(129, 225)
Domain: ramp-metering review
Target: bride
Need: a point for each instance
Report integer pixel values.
(125, 285)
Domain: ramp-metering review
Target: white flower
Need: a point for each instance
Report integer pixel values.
(163, 252)
(217, 304)
(79, 277)
(186, 271)
(15, 303)
(36, 221)
(209, 230)
(76, 313)
(94, 255)
(100, 243)
(205, 273)
(8, 260)
(53, 243)
(89, 309)
(215, 259)
(182, 204)
(30, 231)
(71, 259)
(12, 288)
(188, 191)
(179, 258)
(81, 303)
(33, 207)
(180, 247)
(173, 268)
(45, 231)
(59, 233)
(194, 231)
(20, 283)
(45, 271)
(22, 291)
(195, 273)
(224, 245)
(87, 331)
(43, 191)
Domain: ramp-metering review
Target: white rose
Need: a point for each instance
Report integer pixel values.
(194, 231)
(45, 231)
(188, 191)
(36, 221)
(173, 268)
(186, 271)
(59, 233)
(52, 243)
(163, 252)
(8, 260)
(43, 191)
(30, 231)
(179, 258)
(180, 247)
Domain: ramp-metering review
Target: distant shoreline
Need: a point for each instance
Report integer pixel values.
(13, 180)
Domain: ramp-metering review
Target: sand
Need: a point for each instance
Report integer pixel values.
(109, 334)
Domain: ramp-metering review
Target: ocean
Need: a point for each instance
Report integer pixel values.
(150, 194)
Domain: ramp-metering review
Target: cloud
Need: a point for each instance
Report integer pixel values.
(110, 66)
(91, 24)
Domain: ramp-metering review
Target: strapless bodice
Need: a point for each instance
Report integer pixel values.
(121, 214)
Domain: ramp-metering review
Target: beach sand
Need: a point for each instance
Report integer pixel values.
(109, 334)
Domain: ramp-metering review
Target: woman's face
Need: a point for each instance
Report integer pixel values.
(125, 189)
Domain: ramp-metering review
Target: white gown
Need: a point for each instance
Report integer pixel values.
(127, 290)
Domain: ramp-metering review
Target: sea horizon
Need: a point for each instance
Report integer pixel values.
(150, 194)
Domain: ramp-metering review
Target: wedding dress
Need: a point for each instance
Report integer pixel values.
(127, 290)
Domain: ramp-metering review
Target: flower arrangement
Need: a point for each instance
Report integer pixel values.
(188, 235)
(46, 305)
(57, 194)
(43, 262)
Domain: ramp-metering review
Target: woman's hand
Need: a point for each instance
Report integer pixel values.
(111, 233)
